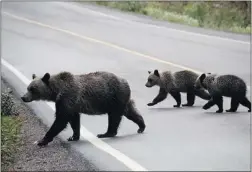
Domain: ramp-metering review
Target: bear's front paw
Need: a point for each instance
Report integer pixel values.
(151, 104)
(73, 138)
(106, 135)
(187, 104)
(42, 142)
(230, 110)
(219, 111)
(140, 130)
(205, 107)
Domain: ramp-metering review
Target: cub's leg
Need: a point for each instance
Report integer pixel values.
(202, 94)
(190, 97)
(245, 102)
(219, 103)
(216, 100)
(209, 104)
(234, 105)
(177, 96)
(160, 97)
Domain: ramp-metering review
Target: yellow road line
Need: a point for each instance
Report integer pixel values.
(100, 42)
(103, 43)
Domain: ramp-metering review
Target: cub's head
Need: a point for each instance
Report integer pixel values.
(200, 81)
(153, 79)
(38, 89)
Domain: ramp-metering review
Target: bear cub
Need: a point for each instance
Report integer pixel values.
(175, 83)
(224, 85)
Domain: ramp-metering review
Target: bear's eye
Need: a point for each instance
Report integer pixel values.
(32, 89)
(150, 80)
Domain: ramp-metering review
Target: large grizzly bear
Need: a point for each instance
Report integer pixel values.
(93, 93)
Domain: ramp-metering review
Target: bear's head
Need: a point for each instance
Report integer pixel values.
(199, 83)
(38, 89)
(153, 79)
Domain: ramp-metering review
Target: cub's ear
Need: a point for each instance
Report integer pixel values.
(149, 72)
(33, 76)
(156, 72)
(46, 78)
(202, 77)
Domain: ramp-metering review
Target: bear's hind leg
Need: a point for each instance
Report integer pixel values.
(138, 119)
(234, 105)
(114, 120)
(245, 102)
(75, 124)
(132, 114)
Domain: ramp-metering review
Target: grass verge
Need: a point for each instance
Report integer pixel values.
(10, 139)
(225, 16)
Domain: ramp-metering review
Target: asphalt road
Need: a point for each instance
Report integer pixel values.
(76, 38)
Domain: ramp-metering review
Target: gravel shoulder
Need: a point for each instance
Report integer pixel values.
(58, 156)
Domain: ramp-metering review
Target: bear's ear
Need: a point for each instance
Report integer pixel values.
(33, 76)
(156, 72)
(202, 77)
(149, 72)
(46, 78)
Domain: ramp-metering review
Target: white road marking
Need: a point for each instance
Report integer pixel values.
(131, 164)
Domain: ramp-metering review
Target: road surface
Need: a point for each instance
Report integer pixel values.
(39, 37)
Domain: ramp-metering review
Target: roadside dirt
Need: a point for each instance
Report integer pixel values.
(59, 156)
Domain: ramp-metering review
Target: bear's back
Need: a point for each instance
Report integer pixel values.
(185, 79)
(102, 85)
(101, 91)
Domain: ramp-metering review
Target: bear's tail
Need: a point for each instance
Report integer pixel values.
(132, 114)
(202, 94)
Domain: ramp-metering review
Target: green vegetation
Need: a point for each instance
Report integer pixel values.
(233, 16)
(10, 139)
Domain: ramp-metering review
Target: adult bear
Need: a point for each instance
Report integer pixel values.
(94, 93)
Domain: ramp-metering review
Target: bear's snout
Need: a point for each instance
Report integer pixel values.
(25, 99)
(147, 85)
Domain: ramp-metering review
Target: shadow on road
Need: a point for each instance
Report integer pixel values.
(122, 137)
(227, 113)
(174, 108)
(119, 137)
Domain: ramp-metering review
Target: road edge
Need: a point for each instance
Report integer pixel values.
(57, 156)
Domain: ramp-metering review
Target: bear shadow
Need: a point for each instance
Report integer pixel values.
(82, 141)
(174, 108)
(122, 137)
(108, 139)
(227, 113)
